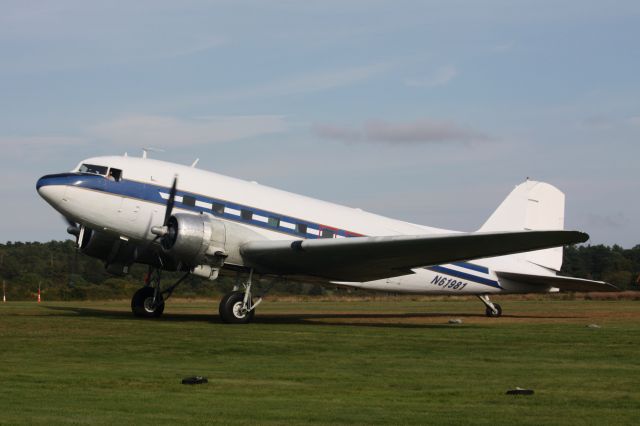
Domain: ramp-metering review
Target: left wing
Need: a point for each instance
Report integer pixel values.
(370, 258)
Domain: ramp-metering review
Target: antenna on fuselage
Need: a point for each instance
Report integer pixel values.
(195, 162)
(145, 151)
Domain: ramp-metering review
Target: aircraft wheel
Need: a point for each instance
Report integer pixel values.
(231, 309)
(142, 304)
(490, 312)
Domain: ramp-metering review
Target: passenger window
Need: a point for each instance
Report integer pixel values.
(93, 169)
(301, 228)
(246, 214)
(217, 208)
(114, 175)
(274, 221)
(327, 233)
(188, 200)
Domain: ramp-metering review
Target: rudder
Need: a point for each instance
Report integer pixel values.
(531, 206)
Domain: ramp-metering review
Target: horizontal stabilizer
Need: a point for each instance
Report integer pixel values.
(371, 258)
(563, 283)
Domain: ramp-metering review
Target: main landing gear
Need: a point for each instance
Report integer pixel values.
(148, 301)
(238, 307)
(493, 309)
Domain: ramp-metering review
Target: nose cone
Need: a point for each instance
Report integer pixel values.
(52, 189)
(42, 182)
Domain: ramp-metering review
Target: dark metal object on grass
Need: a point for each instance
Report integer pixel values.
(520, 391)
(195, 380)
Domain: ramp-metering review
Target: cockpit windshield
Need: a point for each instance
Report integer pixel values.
(110, 173)
(93, 169)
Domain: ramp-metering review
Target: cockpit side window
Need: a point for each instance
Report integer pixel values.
(115, 174)
(93, 169)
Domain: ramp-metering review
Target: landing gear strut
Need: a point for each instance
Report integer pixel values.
(148, 301)
(238, 307)
(493, 309)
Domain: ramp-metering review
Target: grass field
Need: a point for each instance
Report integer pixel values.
(394, 361)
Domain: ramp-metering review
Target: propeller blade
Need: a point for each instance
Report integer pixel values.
(171, 201)
(70, 222)
(72, 227)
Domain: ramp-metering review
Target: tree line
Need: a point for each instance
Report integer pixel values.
(64, 274)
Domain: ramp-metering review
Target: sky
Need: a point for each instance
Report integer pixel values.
(424, 111)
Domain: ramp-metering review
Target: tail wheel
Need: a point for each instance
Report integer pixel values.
(142, 303)
(490, 312)
(231, 309)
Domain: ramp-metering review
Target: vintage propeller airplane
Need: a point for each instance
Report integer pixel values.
(172, 217)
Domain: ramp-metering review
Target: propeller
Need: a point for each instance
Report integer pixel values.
(171, 201)
(163, 231)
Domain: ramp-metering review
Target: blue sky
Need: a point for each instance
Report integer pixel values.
(426, 111)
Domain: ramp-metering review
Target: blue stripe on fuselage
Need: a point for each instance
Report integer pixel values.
(151, 193)
(464, 275)
(472, 266)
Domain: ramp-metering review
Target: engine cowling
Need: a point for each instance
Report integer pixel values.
(204, 243)
(96, 244)
(117, 254)
(195, 239)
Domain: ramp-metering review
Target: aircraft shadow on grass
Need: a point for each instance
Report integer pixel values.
(386, 320)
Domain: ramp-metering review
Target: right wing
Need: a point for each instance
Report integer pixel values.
(370, 258)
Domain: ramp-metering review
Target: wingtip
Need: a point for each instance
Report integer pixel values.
(582, 236)
(579, 237)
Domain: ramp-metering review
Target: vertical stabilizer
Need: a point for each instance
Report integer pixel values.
(531, 206)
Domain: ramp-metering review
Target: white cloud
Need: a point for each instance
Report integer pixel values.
(440, 77)
(153, 130)
(602, 122)
(598, 121)
(503, 47)
(634, 121)
(305, 83)
(420, 131)
(69, 34)
(36, 147)
(38, 141)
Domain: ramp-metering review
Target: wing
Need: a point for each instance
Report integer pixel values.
(563, 283)
(371, 258)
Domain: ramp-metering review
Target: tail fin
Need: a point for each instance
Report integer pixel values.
(532, 206)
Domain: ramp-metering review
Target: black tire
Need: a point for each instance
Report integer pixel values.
(141, 304)
(490, 312)
(229, 309)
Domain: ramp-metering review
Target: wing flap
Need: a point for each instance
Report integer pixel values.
(370, 258)
(563, 283)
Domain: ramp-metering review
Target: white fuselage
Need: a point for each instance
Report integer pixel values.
(130, 207)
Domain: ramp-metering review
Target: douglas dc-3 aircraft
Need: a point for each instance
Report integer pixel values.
(125, 210)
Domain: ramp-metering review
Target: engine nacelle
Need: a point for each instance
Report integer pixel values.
(96, 244)
(204, 243)
(195, 239)
(117, 254)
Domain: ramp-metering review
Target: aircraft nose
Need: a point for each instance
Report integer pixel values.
(51, 188)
